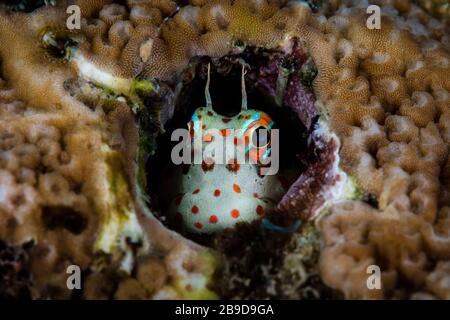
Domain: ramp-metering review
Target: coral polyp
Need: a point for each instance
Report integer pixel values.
(87, 179)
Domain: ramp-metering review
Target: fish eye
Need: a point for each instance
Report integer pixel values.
(261, 137)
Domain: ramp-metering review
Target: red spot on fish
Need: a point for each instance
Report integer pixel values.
(236, 188)
(226, 120)
(213, 219)
(194, 209)
(196, 191)
(225, 132)
(216, 193)
(255, 195)
(257, 154)
(236, 141)
(260, 210)
(198, 225)
(233, 166)
(210, 113)
(208, 138)
(235, 213)
(207, 165)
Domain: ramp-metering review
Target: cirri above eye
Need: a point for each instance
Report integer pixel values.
(214, 197)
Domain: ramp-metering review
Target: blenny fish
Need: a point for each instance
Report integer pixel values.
(213, 197)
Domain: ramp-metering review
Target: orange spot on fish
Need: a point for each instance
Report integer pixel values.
(236, 188)
(236, 141)
(213, 219)
(198, 225)
(194, 209)
(233, 166)
(225, 132)
(259, 210)
(207, 165)
(235, 213)
(208, 138)
(256, 154)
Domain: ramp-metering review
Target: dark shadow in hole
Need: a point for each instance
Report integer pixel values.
(62, 217)
(226, 98)
(23, 5)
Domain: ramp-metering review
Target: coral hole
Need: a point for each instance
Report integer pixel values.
(62, 217)
(225, 88)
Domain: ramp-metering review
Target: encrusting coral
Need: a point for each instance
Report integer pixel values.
(63, 175)
(69, 141)
(390, 107)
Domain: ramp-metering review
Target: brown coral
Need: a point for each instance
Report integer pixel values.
(62, 177)
(399, 154)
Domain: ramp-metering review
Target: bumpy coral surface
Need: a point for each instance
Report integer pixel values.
(81, 111)
(389, 104)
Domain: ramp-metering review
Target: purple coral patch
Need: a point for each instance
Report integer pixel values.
(301, 100)
(307, 194)
(267, 75)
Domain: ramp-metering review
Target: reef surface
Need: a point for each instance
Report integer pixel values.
(84, 114)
